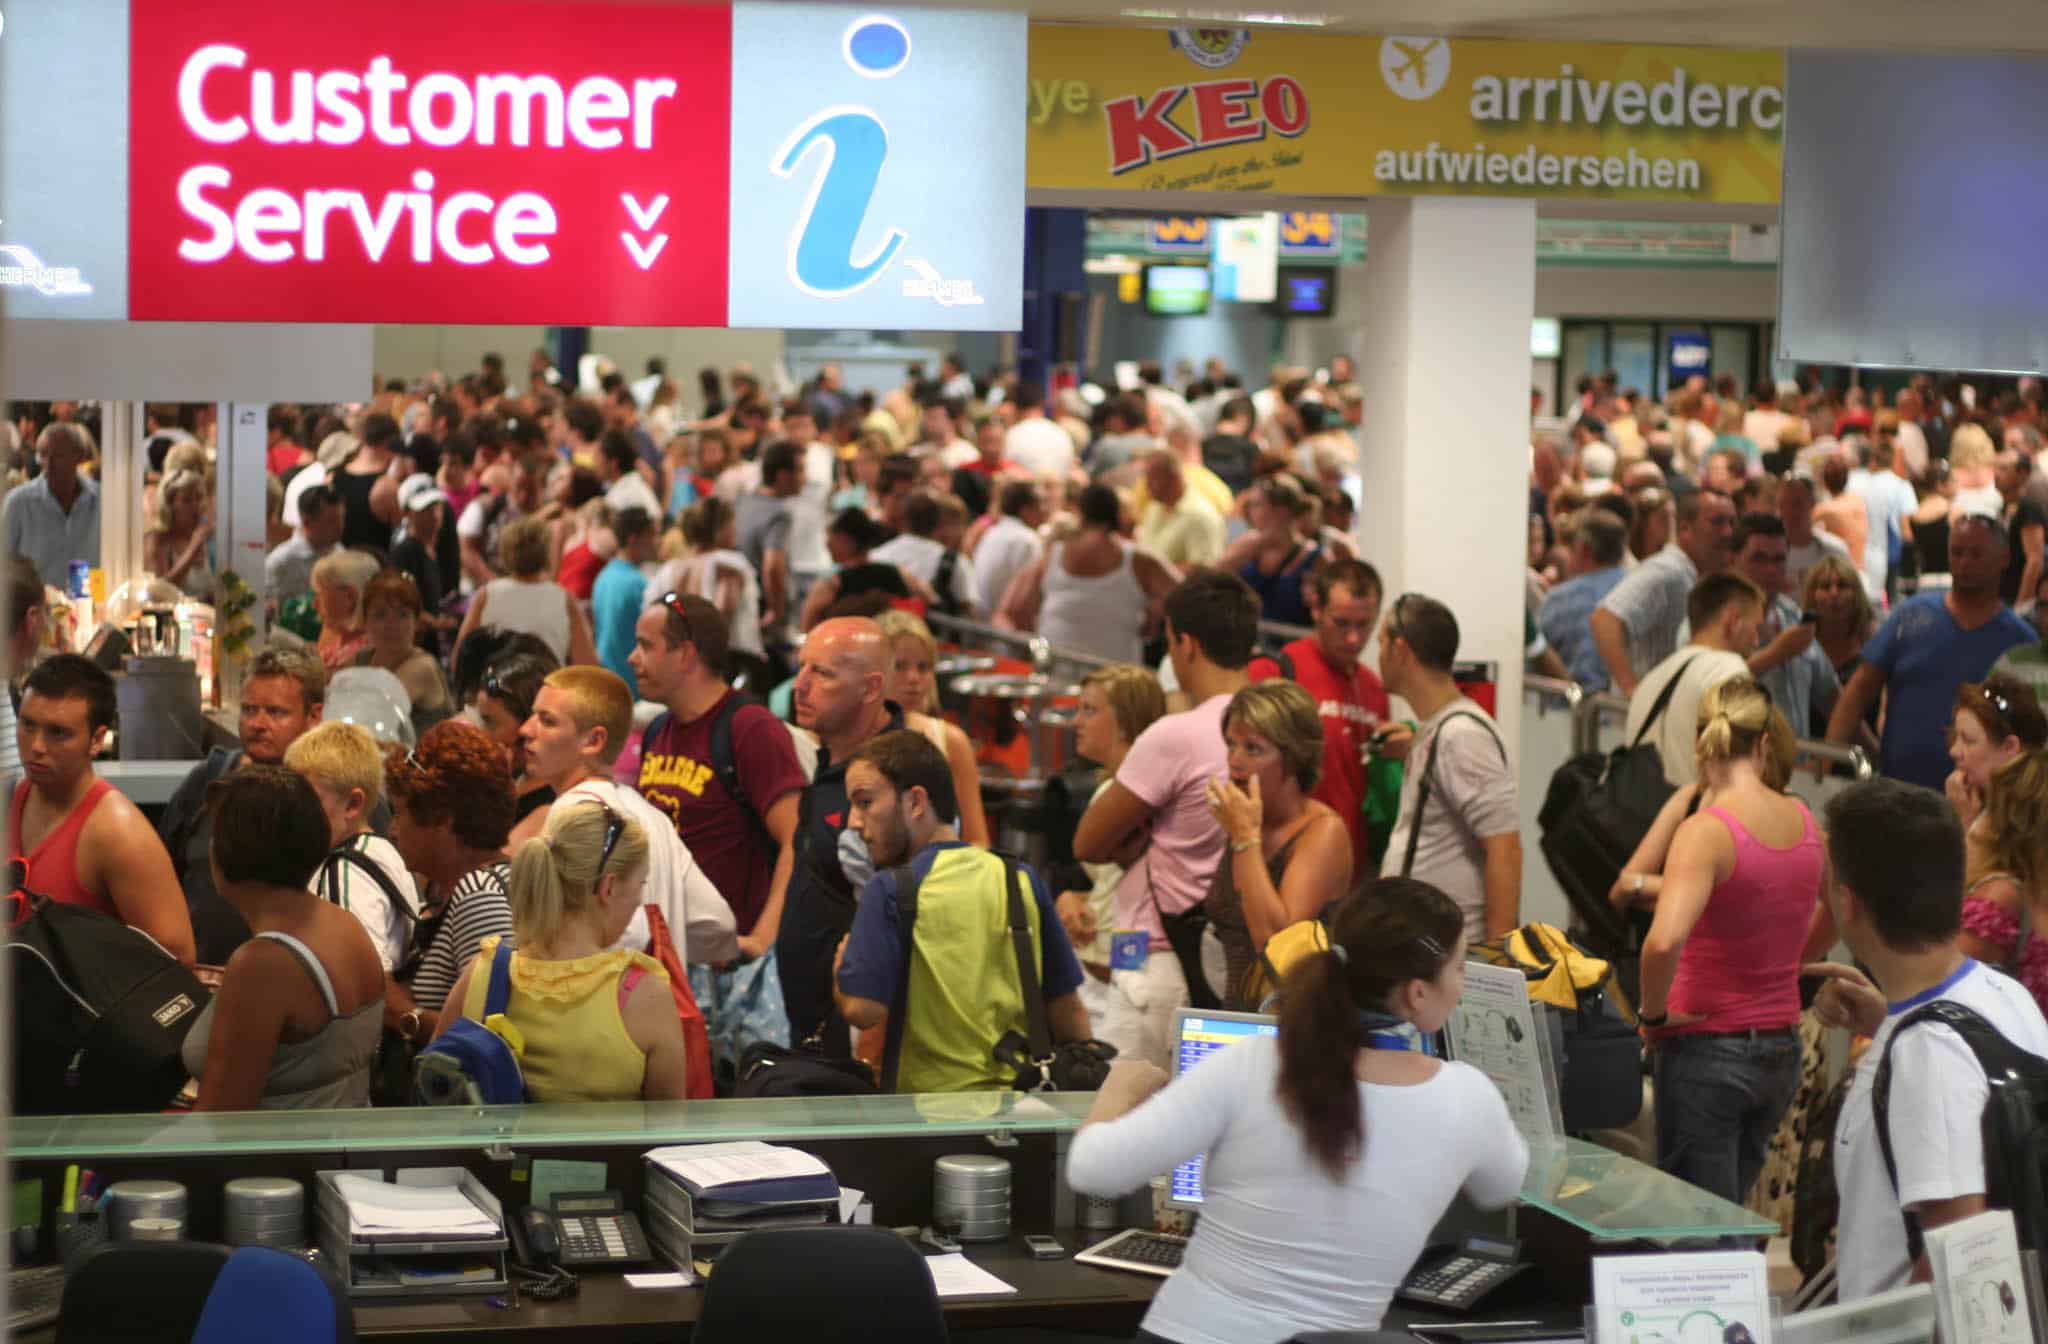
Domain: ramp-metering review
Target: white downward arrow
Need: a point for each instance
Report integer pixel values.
(644, 253)
(644, 217)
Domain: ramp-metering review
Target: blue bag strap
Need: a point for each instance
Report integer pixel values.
(499, 995)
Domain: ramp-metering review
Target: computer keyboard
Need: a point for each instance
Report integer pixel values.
(33, 1296)
(1137, 1250)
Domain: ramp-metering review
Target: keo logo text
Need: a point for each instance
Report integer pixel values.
(1143, 130)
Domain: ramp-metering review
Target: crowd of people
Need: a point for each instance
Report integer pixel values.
(676, 740)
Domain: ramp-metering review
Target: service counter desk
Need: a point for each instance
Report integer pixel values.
(147, 784)
(1579, 1200)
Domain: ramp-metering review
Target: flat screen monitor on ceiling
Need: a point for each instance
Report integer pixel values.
(1306, 291)
(1176, 291)
(1908, 241)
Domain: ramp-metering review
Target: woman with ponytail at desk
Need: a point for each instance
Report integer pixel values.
(1333, 1148)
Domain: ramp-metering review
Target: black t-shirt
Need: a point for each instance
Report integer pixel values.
(410, 555)
(360, 528)
(448, 553)
(1232, 457)
(2027, 514)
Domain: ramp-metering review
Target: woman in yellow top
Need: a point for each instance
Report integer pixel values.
(594, 1022)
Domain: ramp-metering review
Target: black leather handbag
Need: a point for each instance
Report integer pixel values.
(1596, 811)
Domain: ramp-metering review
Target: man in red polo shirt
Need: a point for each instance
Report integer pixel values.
(1346, 601)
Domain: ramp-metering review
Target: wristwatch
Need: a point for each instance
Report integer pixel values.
(1653, 1019)
(409, 1024)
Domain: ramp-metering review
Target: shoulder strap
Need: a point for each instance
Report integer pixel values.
(345, 854)
(906, 928)
(1663, 700)
(725, 763)
(1995, 1054)
(499, 996)
(1285, 662)
(1036, 1024)
(1429, 777)
(314, 970)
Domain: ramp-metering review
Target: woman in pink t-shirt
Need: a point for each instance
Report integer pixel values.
(1720, 968)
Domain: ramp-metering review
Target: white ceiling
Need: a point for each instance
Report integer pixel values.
(1956, 25)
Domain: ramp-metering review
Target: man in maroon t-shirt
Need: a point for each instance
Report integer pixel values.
(1346, 601)
(743, 843)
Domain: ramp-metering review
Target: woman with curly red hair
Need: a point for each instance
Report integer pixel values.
(451, 806)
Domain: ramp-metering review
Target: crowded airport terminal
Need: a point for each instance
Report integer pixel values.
(675, 674)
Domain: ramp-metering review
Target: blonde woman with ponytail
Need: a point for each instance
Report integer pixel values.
(596, 1023)
(1315, 1202)
(1735, 915)
(1999, 743)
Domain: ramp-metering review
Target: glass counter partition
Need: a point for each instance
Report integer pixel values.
(563, 1125)
(1613, 1198)
(1610, 1197)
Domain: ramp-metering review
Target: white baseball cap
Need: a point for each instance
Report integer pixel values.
(418, 491)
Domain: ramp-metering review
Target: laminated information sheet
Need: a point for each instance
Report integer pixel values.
(1712, 1297)
(1495, 1031)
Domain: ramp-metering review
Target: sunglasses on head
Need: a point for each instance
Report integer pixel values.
(614, 827)
(1996, 701)
(494, 685)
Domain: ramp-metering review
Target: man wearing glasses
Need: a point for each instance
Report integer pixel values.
(1932, 643)
(710, 739)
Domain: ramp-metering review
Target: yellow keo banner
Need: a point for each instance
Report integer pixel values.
(1231, 109)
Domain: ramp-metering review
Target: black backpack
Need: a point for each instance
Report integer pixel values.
(723, 762)
(1597, 810)
(2015, 1121)
(101, 1011)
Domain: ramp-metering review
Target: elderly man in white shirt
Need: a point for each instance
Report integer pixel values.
(55, 518)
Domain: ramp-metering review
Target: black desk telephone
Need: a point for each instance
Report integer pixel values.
(1464, 1276)
(579, 1230)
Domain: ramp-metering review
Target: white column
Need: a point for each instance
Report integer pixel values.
(241, 518)
(1444, 362)
(121, 516)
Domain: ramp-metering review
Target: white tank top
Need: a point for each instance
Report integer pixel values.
(746, 622)
(1103, 615)
(537, 609)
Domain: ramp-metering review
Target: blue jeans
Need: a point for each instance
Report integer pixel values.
(1719, 1101)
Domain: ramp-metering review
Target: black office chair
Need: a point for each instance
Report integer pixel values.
(822, 1285)
(186, 1291)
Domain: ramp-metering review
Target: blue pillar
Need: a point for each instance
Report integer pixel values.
(569, 346)
(1055, 282)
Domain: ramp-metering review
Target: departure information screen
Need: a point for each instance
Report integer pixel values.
(1200, 1035)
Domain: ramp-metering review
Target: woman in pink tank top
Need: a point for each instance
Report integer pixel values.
(1720, 968)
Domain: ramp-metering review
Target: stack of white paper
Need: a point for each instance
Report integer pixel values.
(378, 1208)
(955, 1275)
(712, 1166)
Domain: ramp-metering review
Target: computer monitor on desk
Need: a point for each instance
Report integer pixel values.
(1196, 1035)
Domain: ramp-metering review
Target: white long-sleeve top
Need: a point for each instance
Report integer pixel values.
(1281, 1248)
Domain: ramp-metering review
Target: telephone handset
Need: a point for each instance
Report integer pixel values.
(535, 1240)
